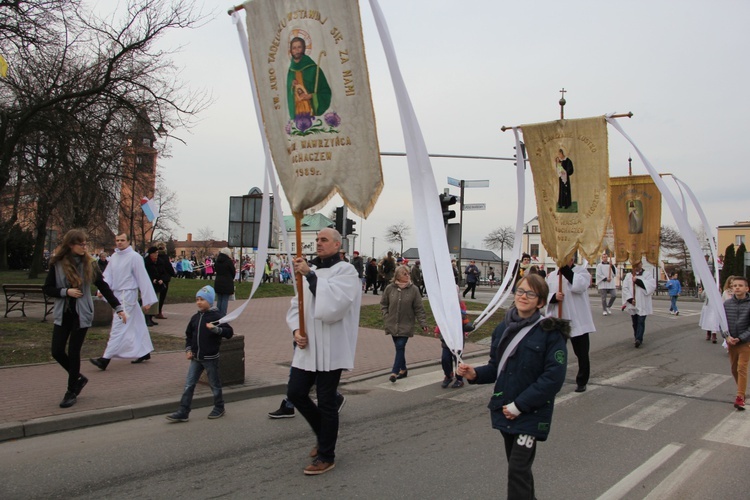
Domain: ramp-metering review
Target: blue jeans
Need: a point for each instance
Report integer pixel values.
(399, 364)
(673, 305)
(639, 327)
(447, 360)
(194, 372)
(222, 302)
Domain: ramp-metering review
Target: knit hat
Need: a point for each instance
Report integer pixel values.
(152, 250)
(226, 251)
(207, 293)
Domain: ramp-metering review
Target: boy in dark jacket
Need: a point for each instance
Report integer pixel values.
(202, 341)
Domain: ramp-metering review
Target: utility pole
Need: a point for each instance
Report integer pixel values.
(373, 247)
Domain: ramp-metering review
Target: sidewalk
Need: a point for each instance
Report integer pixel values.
(30, 394)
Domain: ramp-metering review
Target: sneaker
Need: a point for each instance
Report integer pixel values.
(70, 399)
(282, 412)
(80, 384)
(216, 413)
(446, 381)
(671, 312)
(609, 311)
(458, 384)
(739, 403)
(677, 313)
(605, 313)
(177, 417)
(318, 467)
(340, 401)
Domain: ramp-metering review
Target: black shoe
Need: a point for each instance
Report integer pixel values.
(177, 417)
(638, 344)
(68, 400)
(152, 323)
(216, 413)
(581, 388)
(142, 359)
(402, 374)
(100, 363)
(282, 412)
(80, 384)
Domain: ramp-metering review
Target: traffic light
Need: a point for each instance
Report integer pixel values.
(339, 220)
(350, 227)
(446, 200)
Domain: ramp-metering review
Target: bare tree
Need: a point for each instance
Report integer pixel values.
(90, 78)
(500, 239)
(169, 215)
(396, 233)
(673, 245)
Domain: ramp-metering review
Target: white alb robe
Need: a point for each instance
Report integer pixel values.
(576, 306)
(331, 320)
(643, 304)
(126, 275)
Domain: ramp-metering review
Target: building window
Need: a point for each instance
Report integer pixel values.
(739, 239)
(534, 250)
(534, 229)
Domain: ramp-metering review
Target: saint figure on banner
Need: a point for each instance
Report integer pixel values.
(635, 216)
(564, 168)
(308, 92)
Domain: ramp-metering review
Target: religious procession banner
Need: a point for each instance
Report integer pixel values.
(570, 164)
(636, 218)
(314, 93)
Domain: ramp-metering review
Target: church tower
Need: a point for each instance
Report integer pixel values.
(138, 181)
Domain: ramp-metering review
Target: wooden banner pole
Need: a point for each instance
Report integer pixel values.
(234, 9)
(300, 278)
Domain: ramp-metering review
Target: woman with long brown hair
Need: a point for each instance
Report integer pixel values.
(72, 271)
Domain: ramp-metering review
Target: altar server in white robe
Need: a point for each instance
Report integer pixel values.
(332, 297)
(126, 275)
(576, 308)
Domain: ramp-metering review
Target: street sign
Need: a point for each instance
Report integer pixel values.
(475, 206)
(454, 182)
(477, 184)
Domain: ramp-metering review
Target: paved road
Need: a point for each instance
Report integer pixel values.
(657, 422)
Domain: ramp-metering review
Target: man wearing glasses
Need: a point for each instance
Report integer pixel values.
(126, 275)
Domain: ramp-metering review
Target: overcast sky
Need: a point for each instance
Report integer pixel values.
(472, 67)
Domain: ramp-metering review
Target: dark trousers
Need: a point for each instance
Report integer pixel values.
(581, 345)
(323, 417)
(163, 295)
(470, 287)
(520, 449)
(61, 334)
(639, 327)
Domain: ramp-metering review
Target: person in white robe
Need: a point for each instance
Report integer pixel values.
(637, 288)
(126, 275)
(332, 297)
(576, 308)
(605, 283)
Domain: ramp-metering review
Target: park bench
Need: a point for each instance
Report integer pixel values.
(17, 296)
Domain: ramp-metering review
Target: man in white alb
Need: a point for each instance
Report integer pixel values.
(605, 282)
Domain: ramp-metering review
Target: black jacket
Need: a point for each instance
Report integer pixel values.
(203, 342)
(224, 272)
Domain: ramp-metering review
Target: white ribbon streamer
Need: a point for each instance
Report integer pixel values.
(263, 236)
(696, 254)
(507, 285)
(431, 240)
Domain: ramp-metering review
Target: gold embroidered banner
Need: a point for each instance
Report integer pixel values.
(570, 164)
(314, 93)
(636, 218)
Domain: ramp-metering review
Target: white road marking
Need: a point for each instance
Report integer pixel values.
(414, 382)
(646, 412)
(630, 481)
(671, 484)
(697, 384)
(734, 429)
